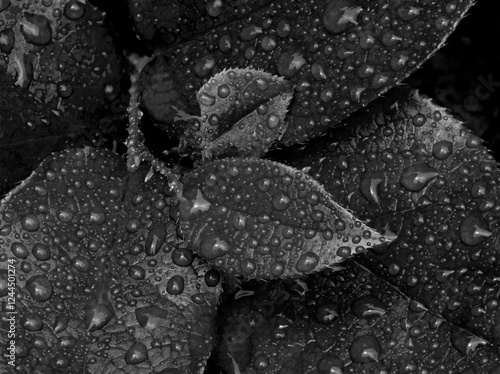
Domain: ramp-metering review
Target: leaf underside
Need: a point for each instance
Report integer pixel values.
(99, 285)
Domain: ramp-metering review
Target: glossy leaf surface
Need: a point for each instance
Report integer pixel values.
(340, 54)
(99, 284)
(262, 219)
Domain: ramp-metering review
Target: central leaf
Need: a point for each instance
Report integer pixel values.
(263, 219)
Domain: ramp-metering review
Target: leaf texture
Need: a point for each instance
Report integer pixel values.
(99, 284)
(340, 54)
(262, 219)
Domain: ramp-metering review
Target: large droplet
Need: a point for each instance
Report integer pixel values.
(417, 177)
(182, 257)
(307, 262)
(473, 231)
(365, 349)
(326, 313)
(212, 278)
(464, 341)
(32, 322)
(442, 149)
(19, 250)
(74, 9)
(340, 15)
(330, 365)
(155, 239)
(212, 248)
(175, 285)
(39, 287)
(98, 312)
(36, 29)
(136, 354)
(30, 222)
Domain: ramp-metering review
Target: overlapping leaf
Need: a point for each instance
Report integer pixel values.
(407, 166)
(242, 112)
(99, 286)
(340, 54)
(262, 219)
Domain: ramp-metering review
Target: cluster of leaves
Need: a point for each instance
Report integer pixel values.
(378, 240)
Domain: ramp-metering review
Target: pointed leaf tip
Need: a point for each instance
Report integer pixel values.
(262, 219)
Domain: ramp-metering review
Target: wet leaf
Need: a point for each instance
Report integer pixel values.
(340, 54)
(242, 110)
(262, 219)
(99, 284)
(278, 330)
(426, 178)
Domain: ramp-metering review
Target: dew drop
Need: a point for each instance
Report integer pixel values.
(212, 248)
(74, 9)
(442, 149)
(175, 285)
(281, 202)
(182, 257)
(39, 288)
(206, 99)
(98, 312)
(326, 313)
(214, 8)
(415, 178)
(368, 307)
(136, 354)
(32, 322)
(30, 222)
(365, 349)
(19, 250)
(36, 29)
(212, 278)
(277, 268)
(473, 231)
(307, 262)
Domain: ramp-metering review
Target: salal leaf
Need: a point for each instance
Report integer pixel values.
(422, 175)
(99, 284)
(262, 219)
(340, 54)
(344, 322)
(242, 111)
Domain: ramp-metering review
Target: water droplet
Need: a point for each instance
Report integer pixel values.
(442, 149)
(60, 324)
(290, 64)
(36, 29)
(307, 262)
(175, 285)
(7, 40)
(19, 250)
(340, 15)
(32, 322)
(98, 312)
(408, 12)
(223, 91)
(81, 264)
(41, 252)
(30, 222)
(214, 8)
(261, 362)
(277, 268)
(379, 80)
(368, 307)
(206, 99)
(212, 248)
(155, 239)
(249, 33)
(212, 278)
(248, 266)
(326, 313)
(182, 257)
(473, 231)
(417, 177)
(74, 9)
(369, 189)
(365, 349)
(39, 288)
(330, 365)
(136, 272)
(268, 43)
(136, 354)
(281, 202)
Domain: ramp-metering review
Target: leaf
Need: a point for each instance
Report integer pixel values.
(345, 322)
(241, 109)
(262, 219)
(435, 187)
(100, 286)
(340, 54)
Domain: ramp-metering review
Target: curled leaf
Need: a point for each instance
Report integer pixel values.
(262, 219)
(242, 110)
